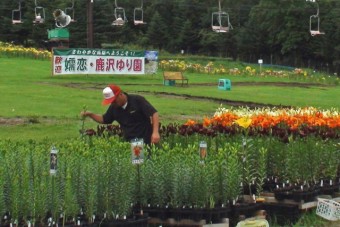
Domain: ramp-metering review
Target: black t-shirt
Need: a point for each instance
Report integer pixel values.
(134, 120)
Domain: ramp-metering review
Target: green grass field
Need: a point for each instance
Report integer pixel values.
(36, 105)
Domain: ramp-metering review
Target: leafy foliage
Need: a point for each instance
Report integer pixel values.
(96, 179)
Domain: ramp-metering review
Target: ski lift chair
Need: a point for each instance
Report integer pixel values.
(315, 19)
(138, 16)
(317, 31)
(120, 17)
(220, 22)
(16, 16)
(39, 15)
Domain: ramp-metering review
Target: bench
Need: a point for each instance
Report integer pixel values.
(173, 76)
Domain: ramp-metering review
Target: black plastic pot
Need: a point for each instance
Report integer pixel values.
(282, 194)
(329, 189)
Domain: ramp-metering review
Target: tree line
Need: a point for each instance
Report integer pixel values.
(277, 31)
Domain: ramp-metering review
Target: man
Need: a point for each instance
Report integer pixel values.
(138, 119)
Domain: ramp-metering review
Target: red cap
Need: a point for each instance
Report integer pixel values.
(110, 93)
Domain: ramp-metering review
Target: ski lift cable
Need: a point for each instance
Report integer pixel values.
(241, 7)
(246, 7)
(19, 1)
(318, 9)
(220, 11)
(35, 3)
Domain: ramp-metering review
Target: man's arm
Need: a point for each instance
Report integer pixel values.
(155, 137)
(96, 117)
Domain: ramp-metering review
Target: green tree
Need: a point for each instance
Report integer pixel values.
(157, 33)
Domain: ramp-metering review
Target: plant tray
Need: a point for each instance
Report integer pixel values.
(328, 209)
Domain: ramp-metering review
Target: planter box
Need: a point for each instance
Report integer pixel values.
(187, 222)
(181, 216)
(157, 212)
(141, 221)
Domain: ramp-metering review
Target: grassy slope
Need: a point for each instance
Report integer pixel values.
(28, 91)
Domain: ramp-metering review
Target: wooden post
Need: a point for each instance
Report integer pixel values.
(89, 23)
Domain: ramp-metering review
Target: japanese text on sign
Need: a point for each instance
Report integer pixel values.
(74, 61)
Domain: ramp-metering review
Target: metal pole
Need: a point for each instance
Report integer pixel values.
(89, 23)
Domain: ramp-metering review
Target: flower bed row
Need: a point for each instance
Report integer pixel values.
(282, 123)
(211, 68)
(10, 50)
(285, 124)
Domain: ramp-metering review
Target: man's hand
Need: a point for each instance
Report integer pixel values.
(96, 117)
(84, 114)
(155, 138)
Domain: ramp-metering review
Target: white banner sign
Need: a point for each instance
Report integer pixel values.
(97, 61)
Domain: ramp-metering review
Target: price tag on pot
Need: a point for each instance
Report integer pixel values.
(53, 160)
(203, 151)
(137, 151)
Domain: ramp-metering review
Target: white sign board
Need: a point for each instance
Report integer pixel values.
(97, 61)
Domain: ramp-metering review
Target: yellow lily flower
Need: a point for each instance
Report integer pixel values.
(244, 122)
